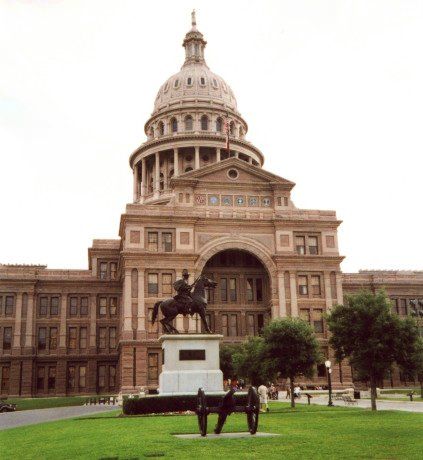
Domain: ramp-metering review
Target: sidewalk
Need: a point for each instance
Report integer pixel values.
(32, 417)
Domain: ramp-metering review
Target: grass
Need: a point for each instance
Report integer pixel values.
(305, 432)
(43, 403)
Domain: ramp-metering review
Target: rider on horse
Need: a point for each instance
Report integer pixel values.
(183, 296)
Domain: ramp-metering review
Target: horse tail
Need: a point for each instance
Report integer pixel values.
(155, 311)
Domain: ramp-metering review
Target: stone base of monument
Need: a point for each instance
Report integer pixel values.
(190, 362)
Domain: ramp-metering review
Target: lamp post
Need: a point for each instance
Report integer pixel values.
(328, 365)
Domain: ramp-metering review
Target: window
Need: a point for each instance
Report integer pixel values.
(174, 125)
(153, 241)
(225, 325)
(153, 366)
(394, 307)
(72, 338)
(103, 306)
(260, 322)
(101, 376)
(176, 84)
(9, 303)
(315, 285)
(112, 376)
(112, 338)
(153, 284)
(84, 306)
(313, 245)
(102, 331)
(204, 123)
(231, 128)
(54, 306)
(189, 81)
(233, 325)
(259, 289)
(42, 339)
(43, 306)
(188, 123)
(232, 289)
(250, 287)
(302, 285)
(7, 338)
(300, 245)
(82, 376)
(224, 289)
(250, 325)
(305, 314)
(202, 81)
(113, 270)
(318, 321)
(167, 284)
(53, 338)
(113, 306)
(51, 382)
(403, 307)
(103, 270)
(5, 377)
(219, 125)
(40, 378)
(83, 337)
(71, 377)
(161, 128)
(167, 242)
(73, 310)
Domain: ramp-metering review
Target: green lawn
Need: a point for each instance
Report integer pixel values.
(43, 403)
(306, 432)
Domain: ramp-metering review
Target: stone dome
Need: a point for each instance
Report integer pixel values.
(195, 81)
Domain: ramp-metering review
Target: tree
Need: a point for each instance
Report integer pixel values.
(250, 362)
(366, 332)
(226, 362)
(292, 349)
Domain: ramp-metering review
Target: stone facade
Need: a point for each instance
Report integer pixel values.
(202, 202)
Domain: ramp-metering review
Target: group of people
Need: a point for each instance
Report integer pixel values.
(266, 392)
(235, 384)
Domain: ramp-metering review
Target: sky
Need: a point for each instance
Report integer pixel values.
(331, 90)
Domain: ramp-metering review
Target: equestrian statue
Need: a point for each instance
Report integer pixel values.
(184, 302)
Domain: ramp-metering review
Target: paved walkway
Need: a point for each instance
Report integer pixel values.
(32, 417)
(365, 404)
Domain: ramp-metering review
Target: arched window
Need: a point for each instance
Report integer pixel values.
(204, 123)
(188, 169)
(219, 125)
(188, 123)
(241, 132)
(174, 125)
(232, 128)
(161, 128)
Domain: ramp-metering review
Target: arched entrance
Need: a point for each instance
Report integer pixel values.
(240, 305)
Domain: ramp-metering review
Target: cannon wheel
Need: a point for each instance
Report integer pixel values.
(253, 409)
(202, 412)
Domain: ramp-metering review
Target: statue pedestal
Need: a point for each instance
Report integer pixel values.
(190, 361)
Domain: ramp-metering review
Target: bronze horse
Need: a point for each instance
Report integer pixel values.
(170, 308)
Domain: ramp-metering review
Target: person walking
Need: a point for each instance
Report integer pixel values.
(262, 392)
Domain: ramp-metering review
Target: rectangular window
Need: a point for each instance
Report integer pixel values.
(54, 306)
(260, 322)
(167, 242)
(305, 314)
(103, 270)
(224, 289)
(318, 321)
(102, 306)
(302, 285)
(403, 307)
(259, 289)
(153, 241)
(83, 337)
(72, 338)
(40, 378)
(250, 287)
(232, 289)
(112, 376)
(113, 306)
(5, 378)
(113, 270)
(51, 378)
(53, 338)
(153, 284)
(43, 306)
(250, 325)
(84, 306)
(101, 377)
(10, 301)
(315, 285)
(233, 325)
(112, 337)
(313, 245)
(42, 338)
(102, 331)
(82, 376)
(153, 366)
(71, 377)
(225, 325)
(394, 307)
(7, 338)
(167, 284)
(73, 310)
(300, 245)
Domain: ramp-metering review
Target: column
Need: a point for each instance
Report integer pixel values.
(29, 335)
(157, 174)
(166, 174)
(135, 189)
(250, 160)
(236, 154)
(217, 155)
(328, 294)
(294, 303)
(93, 323)
(62, 329)
(176, 162)
(197, 157)
(127, 306)
(141, 325)
(339, 294)
(143, 178)
(282, 296)
(18, 321)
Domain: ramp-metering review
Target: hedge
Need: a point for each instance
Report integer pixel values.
(179, 403)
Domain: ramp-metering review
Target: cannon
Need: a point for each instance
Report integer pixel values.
(227, 407)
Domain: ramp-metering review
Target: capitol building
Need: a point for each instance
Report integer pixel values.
(202, 202)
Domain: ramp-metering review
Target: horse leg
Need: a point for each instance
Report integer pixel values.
(165, 326)
(169, 322)
(202, 314)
